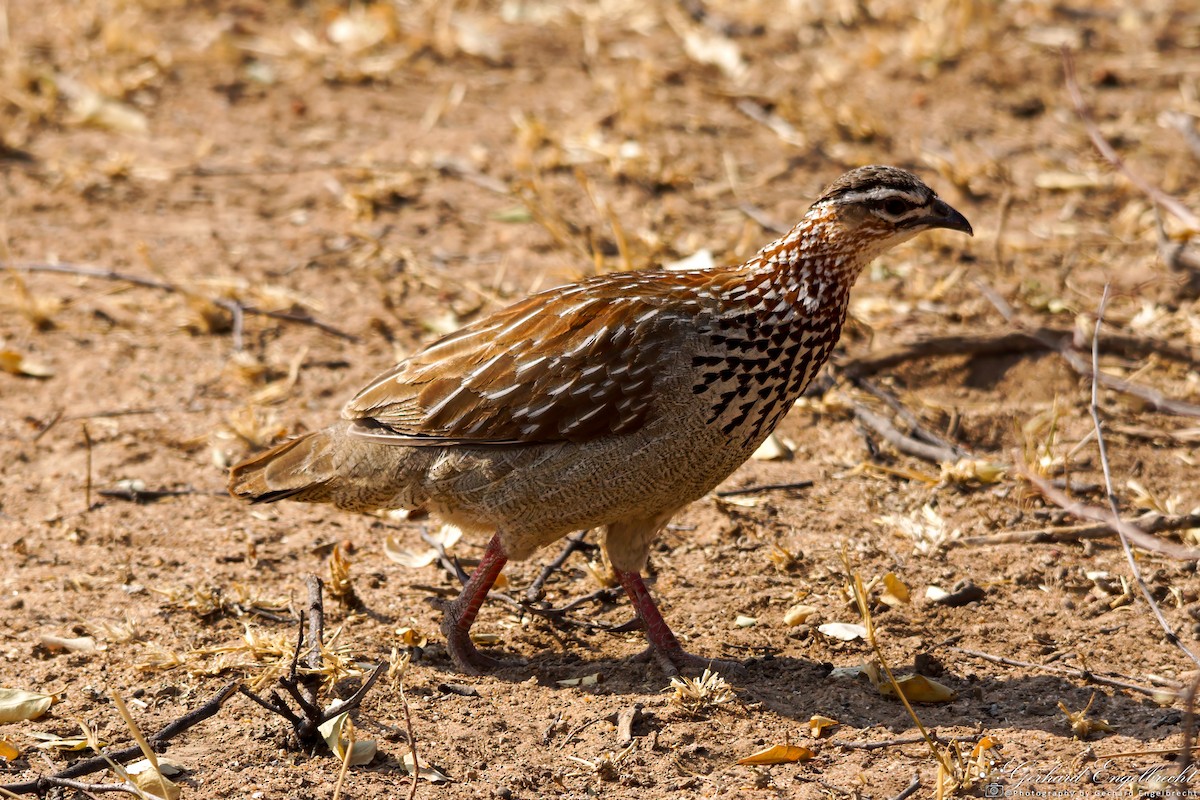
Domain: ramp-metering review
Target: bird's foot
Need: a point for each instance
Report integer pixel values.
(675, 660)
(466, 657)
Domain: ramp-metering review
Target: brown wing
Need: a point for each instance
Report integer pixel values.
(569, 364)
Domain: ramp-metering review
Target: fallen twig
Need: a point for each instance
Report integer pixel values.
(1081, 365)
(880, 745)
(1082, 674)
(1006, 343)
(235, 308)
(626, 719)
(1148, 523)
(916, 427)
(574, 542)
(305, 688)
(1135, 535)
(764, 487)
(149, 495)
(159, 742)
(909, 790)
(1105, 149)
(1094, 409)
(557, 616)
(902, 441)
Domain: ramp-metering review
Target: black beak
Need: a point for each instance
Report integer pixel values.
(944, 216)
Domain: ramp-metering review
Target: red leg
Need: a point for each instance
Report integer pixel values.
(664, 647)
(460, 614)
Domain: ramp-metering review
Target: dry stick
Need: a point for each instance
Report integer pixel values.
(87, 440)
(916, 426)
(1094, 409)
(1082, 674)
(235, 308)
(1150, 190)
(341, 779)
(92, 788)
(412, 742)
(158, 741)
(956, 345)
(557, 616)
(1148, 523)
(1155, 398)
(1007, 343)
(1130, 531)
(764, 487)
(909, 790)
(310, 684)
(901, 441)
(574, 542)
(972, 739)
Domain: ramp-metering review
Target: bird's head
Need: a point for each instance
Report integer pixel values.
(879, 207)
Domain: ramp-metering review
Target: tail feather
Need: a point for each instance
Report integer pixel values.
(300, 468)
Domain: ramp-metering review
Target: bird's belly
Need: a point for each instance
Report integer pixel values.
(538, 493)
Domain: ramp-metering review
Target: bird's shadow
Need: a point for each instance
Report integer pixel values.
(799, 688)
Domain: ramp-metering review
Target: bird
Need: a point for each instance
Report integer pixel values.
(612, 402)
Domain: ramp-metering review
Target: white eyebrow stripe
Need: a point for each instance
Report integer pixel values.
(881, 193)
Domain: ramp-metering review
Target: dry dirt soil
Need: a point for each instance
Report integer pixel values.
(392, 171)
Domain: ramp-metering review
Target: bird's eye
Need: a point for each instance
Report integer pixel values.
(894, 206)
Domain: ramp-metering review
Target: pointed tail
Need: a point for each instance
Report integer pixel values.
(300, 469)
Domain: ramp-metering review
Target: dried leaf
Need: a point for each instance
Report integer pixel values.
(485, 638)
(772, 449)
(973, 470)
(18, 704)
(411, 637)
(165, 765)
(798, 613)
(155, 784)
(846, 631)
(918, 689)
(585, 680)
(78, 644)
(427, 771)
(778, 754)
(1060, 181)
(819, 723)
(362, 752)
(895, 593)
(67, 744)
(15, 363)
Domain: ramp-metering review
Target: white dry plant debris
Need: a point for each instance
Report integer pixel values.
(698, 696)
(927, 530)
(265, 656)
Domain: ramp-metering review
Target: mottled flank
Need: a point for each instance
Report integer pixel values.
(612, 402)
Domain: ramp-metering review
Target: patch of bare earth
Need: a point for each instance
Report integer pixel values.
(308, 192)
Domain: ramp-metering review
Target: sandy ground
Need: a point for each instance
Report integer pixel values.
(393, 171)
